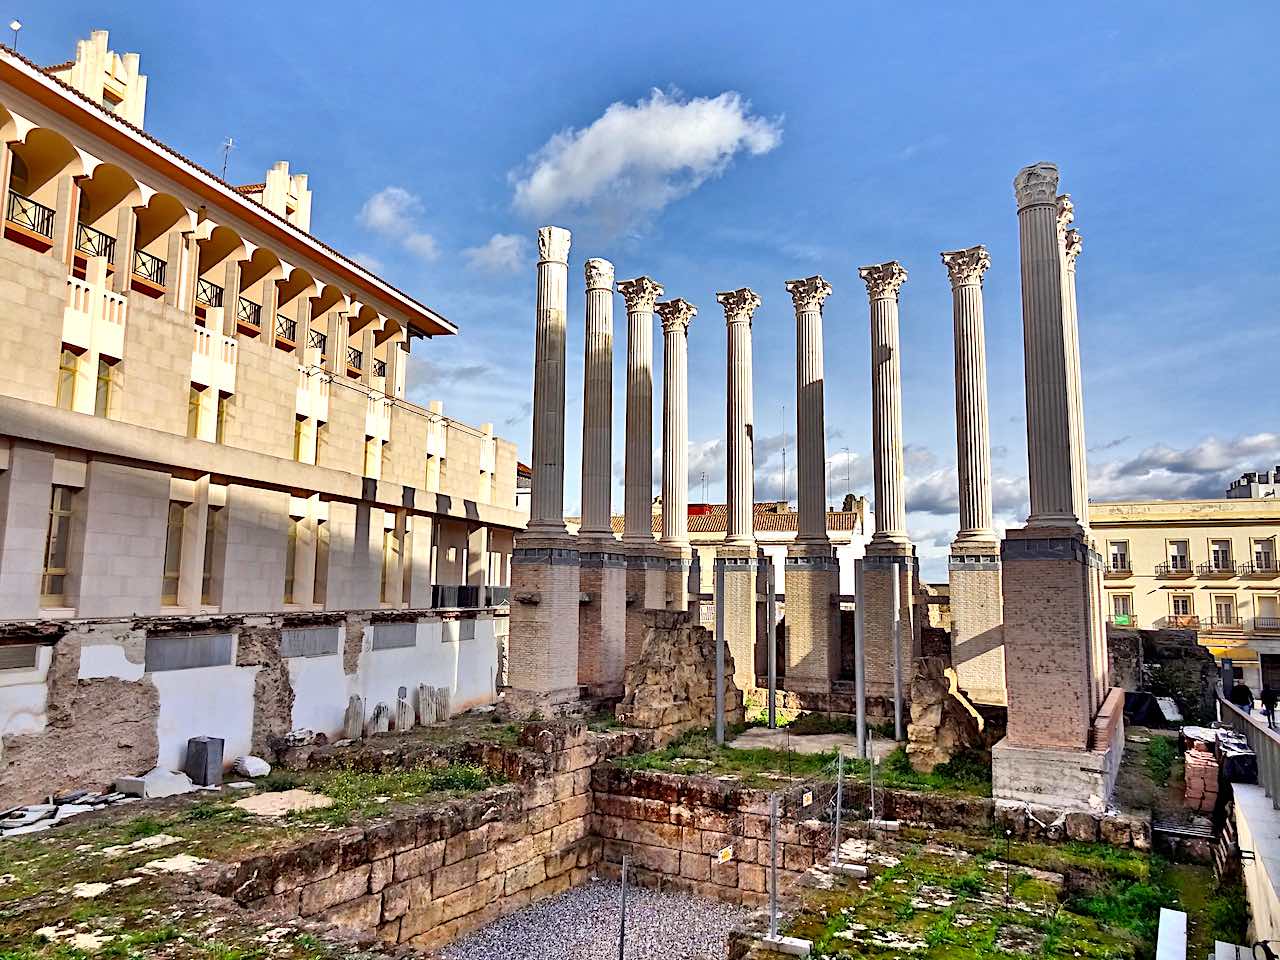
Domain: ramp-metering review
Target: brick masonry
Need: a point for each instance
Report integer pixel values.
(877, 623)
(545, 597)
(977, 628)
(812, 629)
(602, 622)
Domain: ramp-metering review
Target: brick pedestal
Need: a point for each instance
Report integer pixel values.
(676, 586)
(543, 660)
(977, 621)
(812, 628)
(641, 568)
(602, 617)
(879, 569)
(740, 611)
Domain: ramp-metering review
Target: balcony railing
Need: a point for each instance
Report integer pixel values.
(148, 267)
(1267, 568)
(208, 293)
(1265, 625)
(1223, 623)
(1123, 620)
(1119, 568)
(454, 597)
(92, 242)
(1181, 621)
(1174, 568)
(1216, 569)
(379, 367)
(498, 595)
(249, 313)
(317, 340)
(355, 359)
(27, 213)
(286, 329)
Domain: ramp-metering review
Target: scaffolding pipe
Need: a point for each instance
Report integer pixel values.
(859, 661)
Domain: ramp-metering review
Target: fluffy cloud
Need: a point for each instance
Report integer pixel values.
(636, 158)
(1201, 471)
(393, 212)
(503, 253)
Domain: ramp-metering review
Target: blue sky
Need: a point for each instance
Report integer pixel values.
(438, 137)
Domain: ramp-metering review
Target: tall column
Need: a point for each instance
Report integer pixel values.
(812, 575)
(547, 500)
(977, 639)
(1069, 244)
(602, 585)
(676, 316)
(597, 401)
(639, 295)
(738, 553)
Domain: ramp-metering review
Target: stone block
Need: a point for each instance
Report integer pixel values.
(339, 888)
(446, 880)
(525, 875)
(695, 866)
(204, 761)
(419, 860)
(362, 914)
(381, 873)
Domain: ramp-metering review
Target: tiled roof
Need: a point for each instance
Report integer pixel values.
(251, 188)
(164, 147)
(58, 67)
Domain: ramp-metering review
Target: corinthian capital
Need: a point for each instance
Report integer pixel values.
(1066, 213)
(599, 274)
(553, 244)
(809, 293)
(640, 293)
(1071, 247)
(739, 305)
(1037, 183)
(676, 314)
(883, 279)
(966, 266)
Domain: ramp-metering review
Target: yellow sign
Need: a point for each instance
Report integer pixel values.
(725, 855)
(806, 800)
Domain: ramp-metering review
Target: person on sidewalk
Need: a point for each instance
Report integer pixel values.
(1270, 696)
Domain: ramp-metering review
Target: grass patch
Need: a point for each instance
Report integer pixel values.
(1160, 758)
(359, 793)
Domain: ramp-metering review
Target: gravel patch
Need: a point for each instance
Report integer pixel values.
(582, 924)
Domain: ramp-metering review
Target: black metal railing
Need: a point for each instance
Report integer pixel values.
(1215, 569)
(1174, 568)
(355, 359)
(92, 242)
(498, 596)
(1266, 624)
(1181, 621)
(1122, 620)
(379, 367)
(1256, 569)
(455, 597)
(149, 267)
(317, 340)
(1119, 567)
(26, 212)
(1222, 623)
(249, 313)
(208, 293)
(287, 329)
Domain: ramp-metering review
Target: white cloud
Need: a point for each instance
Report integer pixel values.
(636, 158)
(502, 253)
(394, 213)
(1202, 471)
(369, 261)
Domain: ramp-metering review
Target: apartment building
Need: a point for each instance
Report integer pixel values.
(1205, 565)
(203, 421)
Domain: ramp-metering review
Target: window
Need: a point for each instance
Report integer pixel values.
(212, 530)
(321, 588)
(67, 368)
(1224, 609)
(173, 554)
(299, 431)
(394, 636)
(1119, 555)
(220, 431)
(194, 402)
(21, 656)
(290, 559)
(57, 550)
(1122, 609)
(187, 652)
(1180, 604)
(322, 437)
(107, 388)
(1264, 554)
(1220, 554)
(390, 562)
(310, 642)
(372, 456)
(1179, 555)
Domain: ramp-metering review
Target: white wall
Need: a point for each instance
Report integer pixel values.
(466, 667)
(204, 702)
(320, 693)
(24, 698)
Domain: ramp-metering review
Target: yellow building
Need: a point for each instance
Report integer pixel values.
(1206, 565)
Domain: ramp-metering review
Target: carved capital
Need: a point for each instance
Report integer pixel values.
(599, 274)
(966, 267)
(1071, 247)
(809, 293)
(676, 314)
(553, 244)
(883, 280)
(640, 293)
(1037, 183)
(739, 305)
(1066, 213)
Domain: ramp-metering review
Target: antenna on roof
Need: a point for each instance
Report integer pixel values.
(784, 455)
(704, 486)
(15, 25)
(227, 146)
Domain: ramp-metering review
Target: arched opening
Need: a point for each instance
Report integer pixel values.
(105, 198)
(257, 280)
(292, 292)
(154, 243)
(221, 248)
(36, 167)
(357, 361)
(329, 298)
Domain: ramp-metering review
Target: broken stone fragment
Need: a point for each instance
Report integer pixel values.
(251, 766)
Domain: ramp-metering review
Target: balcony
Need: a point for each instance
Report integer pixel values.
(317, 340)
(355, 361)
(1264, 570)
(1177, 569)
(34, 219)
(1123, 620)
(313, 393)
(213, 360)
(94, 316)
(149, 268)
(456, 597)
(249, 315)
(286, 331)
(1180, 621)
(1223, 625)
(208, 293)
(1118, 570)
(1265, 625)
(379, 368)
(1216, 570)
(94, 243)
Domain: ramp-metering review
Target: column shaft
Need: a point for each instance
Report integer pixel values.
(639, 294)
(597, 401)
(547, 500)
(676, 315)
(739, 306)
(883, 282)
(808, 296)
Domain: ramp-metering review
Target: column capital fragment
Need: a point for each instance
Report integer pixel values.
(1036, 184)
(739, 305)
(640, 293)
(599, 274)
(809, 293)
(553, 245)
(883, 280)
(1071, 245)
(966, 267)
(1066, 213)
(676, 314)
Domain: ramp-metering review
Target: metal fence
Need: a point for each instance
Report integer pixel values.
(1263, 741)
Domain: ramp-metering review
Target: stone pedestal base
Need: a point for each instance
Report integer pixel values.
(878, 572)
(642, 568)
(602, 618)
(977, 621)
(812, 628)
(676, 587)
(740, 610)
(543, 643)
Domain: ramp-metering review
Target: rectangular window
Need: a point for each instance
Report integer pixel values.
(1120, 555)
(1180, 604)
(390, 562)
(108, 388)
(187, 652)
(1224, 609)
(299, 432)
(173, 554)
(212, 530)
(1220, 554)
(220, 431)
(310, 642)
(320, 590)
(57, 550)
(393, 636)
(322, 437)
(290, 559)
(1179, 555)
(194, 401)
(67, 367)
(21, 656)
(1264, 555)
(1122, 607)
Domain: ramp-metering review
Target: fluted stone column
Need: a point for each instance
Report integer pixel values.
(646, 572)
(738, 553)
(676, 316)
(977, 644)
(889, 554)
(1065, 729)
(812, 575)
(602, 612)
(1069, 244)
(545, 576)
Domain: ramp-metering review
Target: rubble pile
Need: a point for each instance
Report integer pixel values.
(1201, 771)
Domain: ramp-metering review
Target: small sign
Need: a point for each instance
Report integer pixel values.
(725, 855)
(806, 799)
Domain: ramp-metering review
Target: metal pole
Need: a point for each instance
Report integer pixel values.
(872, 788)
(773, 865)
(835, 850)
(895, 618)
(771, 631)
(859, 663)
(622, 925)
(719, 650)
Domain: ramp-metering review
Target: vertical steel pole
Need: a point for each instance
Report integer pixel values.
(622, 926)
(859, 660)
(720, 641)
(771, 631)
(835, 850)
(895, 618)
(773, 865)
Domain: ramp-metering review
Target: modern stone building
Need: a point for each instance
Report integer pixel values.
(203, 418)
